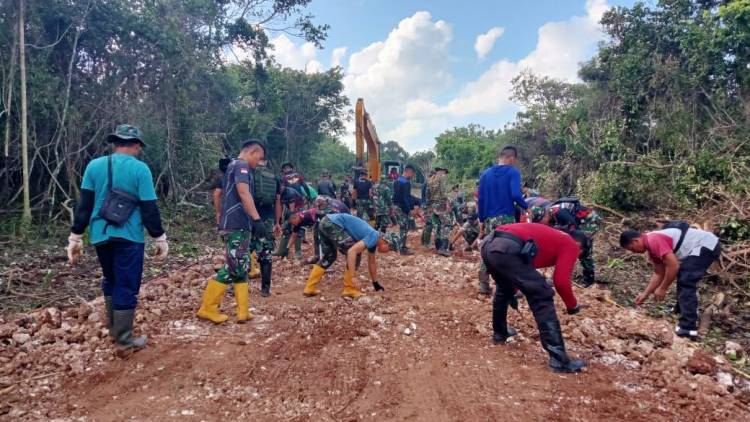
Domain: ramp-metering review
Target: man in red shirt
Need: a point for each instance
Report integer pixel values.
(676, 254)
(512, 253)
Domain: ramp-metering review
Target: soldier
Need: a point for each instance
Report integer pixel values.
(404, 203)
(383, 199)
(267, 197)
(322, 206)
(470, 229)
(362, 196)
(239, 223)
(439, 203)
(351, 236)
(326, 187)
(568, 215)
(290, 178)
(458, 199)
(499, 192)
(345, 193)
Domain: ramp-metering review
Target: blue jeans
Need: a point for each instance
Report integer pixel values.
(122, 267)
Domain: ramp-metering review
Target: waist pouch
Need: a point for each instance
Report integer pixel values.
(118, 205)
(529, 249)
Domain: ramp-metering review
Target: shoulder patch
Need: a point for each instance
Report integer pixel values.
(243, 170)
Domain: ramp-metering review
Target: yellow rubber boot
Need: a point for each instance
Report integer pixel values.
(315, 275)
(211, 299)
(254, 267)
(242, 295)
(350, 290)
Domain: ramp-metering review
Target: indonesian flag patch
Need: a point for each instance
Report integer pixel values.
(243, 171)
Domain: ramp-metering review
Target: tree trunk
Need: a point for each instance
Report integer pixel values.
(24, 130)
(9, 94)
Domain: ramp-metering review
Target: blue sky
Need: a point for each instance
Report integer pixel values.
(420, 66)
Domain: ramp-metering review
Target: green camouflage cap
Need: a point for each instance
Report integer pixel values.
(394, 240)
(126, 133)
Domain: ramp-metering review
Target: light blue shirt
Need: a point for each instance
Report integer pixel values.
(129, 175)
(357, 228)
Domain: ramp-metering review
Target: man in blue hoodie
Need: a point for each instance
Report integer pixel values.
(499, 192)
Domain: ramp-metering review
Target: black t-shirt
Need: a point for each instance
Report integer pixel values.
(363, 188)
(233, 216)
(327, 188)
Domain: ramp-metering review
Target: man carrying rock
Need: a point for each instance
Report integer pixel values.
(512, 253)
(110, 184)
(677, 252)
(240, 222)
(499, 192)
(352, 236)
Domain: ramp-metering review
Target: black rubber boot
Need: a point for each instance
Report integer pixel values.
(588, 278)
(122, 327)
(484, 283)
(552, 341)
(298, 248)
(108, 310)
(265, 279)
(500, 330)
(283, 249)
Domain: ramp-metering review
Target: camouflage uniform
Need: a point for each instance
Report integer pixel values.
(442, 222)
(590, 225)
(383, 199)
(471, 224)
(264, 246)
(333, 239)
(237, 258)
(489, 225)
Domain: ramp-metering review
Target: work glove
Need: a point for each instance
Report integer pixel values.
(259, 229)
(75, 247)
(377, 286)
(162, 247)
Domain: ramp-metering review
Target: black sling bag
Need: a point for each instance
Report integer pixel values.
(118, 205)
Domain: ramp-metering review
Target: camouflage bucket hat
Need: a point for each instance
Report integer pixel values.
(126, 133)
(394, 240)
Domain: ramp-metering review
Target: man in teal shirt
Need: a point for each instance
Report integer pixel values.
(119, 247)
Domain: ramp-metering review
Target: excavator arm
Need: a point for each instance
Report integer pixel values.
(365, 134)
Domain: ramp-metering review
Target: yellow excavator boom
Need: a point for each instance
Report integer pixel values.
(365, 133)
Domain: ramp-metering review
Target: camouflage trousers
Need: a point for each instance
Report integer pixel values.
(264, 246)
(237, 258)
(333, 239)
(587, 262)
(471, 231)
(427, 229)
(402, 220)
(382, 221)
(364, 209)
(489, 225)
(442, 221)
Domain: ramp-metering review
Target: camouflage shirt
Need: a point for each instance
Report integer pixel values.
(437, 190)
(383, 198)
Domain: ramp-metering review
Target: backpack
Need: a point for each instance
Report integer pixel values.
(264, 187)
(309, 191)
(586, 218)
(683, 226)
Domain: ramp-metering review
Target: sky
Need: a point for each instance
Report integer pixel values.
(423, 67)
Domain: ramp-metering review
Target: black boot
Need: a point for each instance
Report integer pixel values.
(552, 341)
(110, 318)
(588, 278)
(484, 283)
(501, 332)
(265, 279)
(122, 328)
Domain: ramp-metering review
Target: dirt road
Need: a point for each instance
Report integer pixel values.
(420, 351)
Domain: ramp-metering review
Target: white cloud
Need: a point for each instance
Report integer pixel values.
(560, 48)
(484, 43)
(411, 64)
(303, 57)
(337, 55)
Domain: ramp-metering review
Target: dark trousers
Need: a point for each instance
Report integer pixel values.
(510, 271)
(692, 270)
(122, 267)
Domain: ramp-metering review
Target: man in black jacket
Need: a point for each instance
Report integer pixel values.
(404, 203)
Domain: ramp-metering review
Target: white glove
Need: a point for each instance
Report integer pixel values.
(162, 247)
(75, 247)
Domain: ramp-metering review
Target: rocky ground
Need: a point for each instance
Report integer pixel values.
(421, 350)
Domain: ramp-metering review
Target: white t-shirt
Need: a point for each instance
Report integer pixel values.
(694, 241)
